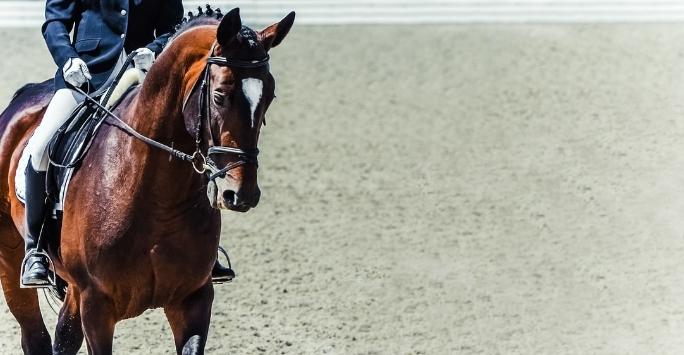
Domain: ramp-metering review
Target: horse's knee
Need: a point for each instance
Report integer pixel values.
(69, 334)
(189, 321)
(36, 342)
(98, 318)
(23, 304)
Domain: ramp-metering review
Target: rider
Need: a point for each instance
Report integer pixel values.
(104, 32)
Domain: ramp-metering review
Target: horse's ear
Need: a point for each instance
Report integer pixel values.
(274, 34)
(229, 27)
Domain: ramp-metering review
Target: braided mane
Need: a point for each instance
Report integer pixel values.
(206, 16)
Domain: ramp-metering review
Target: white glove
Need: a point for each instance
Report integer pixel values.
(144, 57)
(76, 72)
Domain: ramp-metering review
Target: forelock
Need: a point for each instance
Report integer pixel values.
(248, 37)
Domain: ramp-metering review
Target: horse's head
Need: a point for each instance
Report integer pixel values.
(238, 91)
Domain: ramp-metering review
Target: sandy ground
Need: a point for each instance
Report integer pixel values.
(451, 190)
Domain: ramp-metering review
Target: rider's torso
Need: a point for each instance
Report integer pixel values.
(108, 27)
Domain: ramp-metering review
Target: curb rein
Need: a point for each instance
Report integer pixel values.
(201, 163)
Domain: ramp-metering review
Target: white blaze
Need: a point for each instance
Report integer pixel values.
(253, 90)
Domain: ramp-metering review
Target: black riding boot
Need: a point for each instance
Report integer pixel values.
(34, 272)
(220, 273)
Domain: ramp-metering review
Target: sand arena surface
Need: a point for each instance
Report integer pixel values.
(450, 190)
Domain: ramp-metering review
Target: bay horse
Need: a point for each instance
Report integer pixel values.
(140, 228)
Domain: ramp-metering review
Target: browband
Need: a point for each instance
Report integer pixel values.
(238, 63)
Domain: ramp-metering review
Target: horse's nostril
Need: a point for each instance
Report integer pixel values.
(230, 197)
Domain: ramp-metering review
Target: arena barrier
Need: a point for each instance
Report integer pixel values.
(29, 13)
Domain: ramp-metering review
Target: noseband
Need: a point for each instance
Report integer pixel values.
(203, 163)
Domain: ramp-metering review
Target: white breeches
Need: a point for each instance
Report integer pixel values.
(60, 108)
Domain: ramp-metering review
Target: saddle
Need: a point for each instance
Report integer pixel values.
(70, 144)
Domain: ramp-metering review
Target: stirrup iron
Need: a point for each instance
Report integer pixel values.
(52, 279)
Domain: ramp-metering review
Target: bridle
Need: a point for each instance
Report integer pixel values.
(202, 163)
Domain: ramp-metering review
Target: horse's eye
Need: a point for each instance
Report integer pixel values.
(219, 98)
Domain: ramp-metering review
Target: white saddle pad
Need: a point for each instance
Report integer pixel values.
(20, 182)
(20, 177)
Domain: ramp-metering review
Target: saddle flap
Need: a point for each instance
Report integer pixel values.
(67, 149)
(68, 144)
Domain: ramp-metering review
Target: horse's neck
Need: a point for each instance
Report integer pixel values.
(155, 111)
(165, 182)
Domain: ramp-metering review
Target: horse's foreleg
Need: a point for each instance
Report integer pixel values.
(189, 321)
(98, 320)
(23, 303)
(69, 334)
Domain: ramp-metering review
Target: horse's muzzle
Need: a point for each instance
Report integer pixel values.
(238, 201)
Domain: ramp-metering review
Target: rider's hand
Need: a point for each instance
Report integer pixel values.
(144, 57)
(76, 72)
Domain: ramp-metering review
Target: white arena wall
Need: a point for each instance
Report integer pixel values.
(29, 13)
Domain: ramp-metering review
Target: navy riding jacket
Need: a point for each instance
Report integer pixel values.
(103, 28)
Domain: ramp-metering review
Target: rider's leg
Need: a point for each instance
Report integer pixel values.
(35, 268)
(61, 106)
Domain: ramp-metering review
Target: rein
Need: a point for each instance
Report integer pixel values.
(200, 162)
